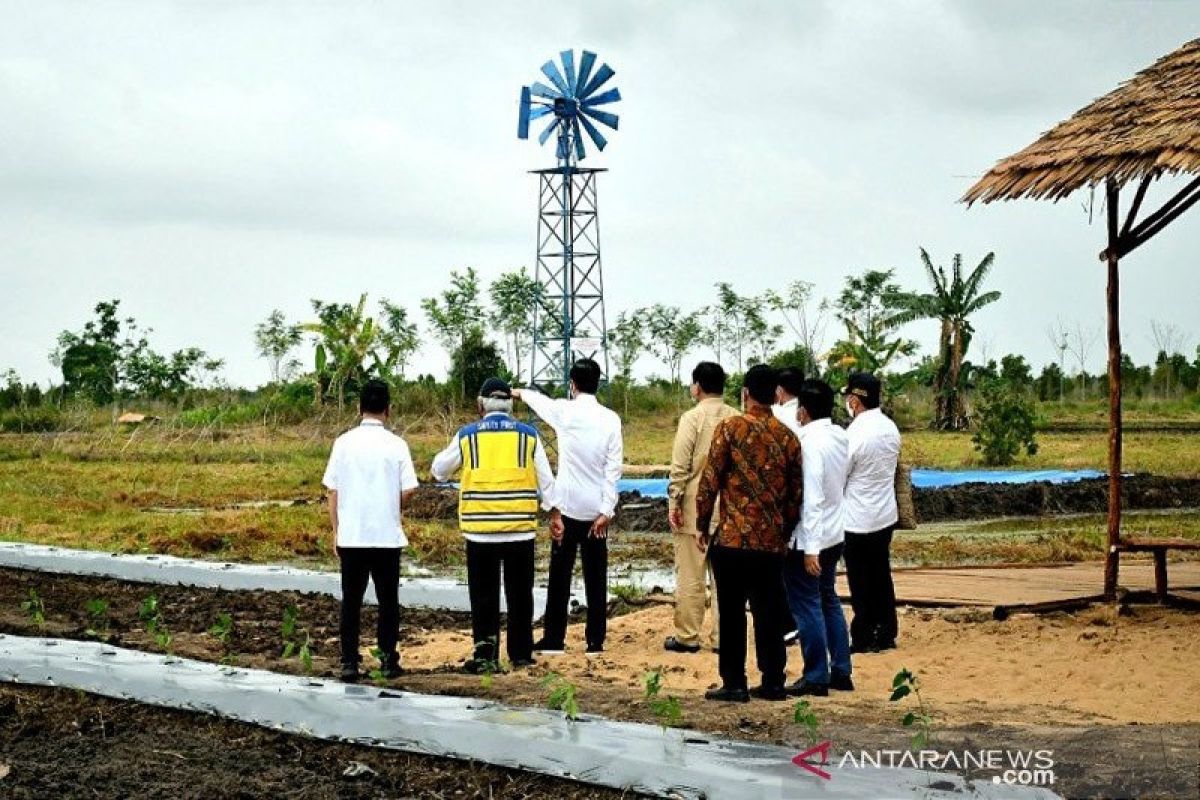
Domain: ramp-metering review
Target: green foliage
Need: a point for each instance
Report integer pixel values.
(905, 684)
(97, 611)
(740, 326)
(455, 316)
(628, 592)
(1005, 424)
(222, 629)
(346, 338)
(869, 309)
(38, 419)
(803, 714)
(671, 334)
(151, 615)
(35, 608)
(275, 338)
(473, 363)
(376, 675)
(516, 298)
(666, 708)
(561, 695)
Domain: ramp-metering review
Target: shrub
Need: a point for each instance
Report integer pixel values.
(36, 419)
(1005, 419)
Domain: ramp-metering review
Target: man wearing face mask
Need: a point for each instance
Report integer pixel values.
(870, 515)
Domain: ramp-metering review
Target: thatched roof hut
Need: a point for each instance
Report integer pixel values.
(1145, 129)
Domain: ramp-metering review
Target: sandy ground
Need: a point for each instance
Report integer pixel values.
(1097, 667)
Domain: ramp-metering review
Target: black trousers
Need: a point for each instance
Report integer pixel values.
(484, 561)
(595, 584)
(756, 576)
(382, 566)
(872, 594)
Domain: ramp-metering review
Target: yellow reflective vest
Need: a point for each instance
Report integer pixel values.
(498, 489)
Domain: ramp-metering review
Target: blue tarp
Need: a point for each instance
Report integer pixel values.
(921, 478)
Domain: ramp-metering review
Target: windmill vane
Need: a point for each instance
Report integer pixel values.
(572, 100)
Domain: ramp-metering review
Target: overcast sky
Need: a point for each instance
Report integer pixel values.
(206, 162)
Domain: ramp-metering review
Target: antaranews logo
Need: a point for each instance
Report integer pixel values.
(1012, 767)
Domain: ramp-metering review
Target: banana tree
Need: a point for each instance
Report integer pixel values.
(346, 337)
(952, 302)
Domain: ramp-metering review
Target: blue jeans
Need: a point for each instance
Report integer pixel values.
(824, 639)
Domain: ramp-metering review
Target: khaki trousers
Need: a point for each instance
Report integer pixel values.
(692, 572)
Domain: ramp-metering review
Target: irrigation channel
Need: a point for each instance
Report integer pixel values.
(629, 756)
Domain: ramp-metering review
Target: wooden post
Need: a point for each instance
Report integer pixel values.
(1113, 557)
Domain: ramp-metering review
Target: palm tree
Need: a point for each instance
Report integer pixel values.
(953, 300)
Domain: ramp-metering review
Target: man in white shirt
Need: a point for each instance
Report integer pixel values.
(810, 570)
(870, 516)
(785, 408)
(370, 476)
(505, 473)
(589, 465)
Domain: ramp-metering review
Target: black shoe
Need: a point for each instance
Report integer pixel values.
(791, 637)
(348, 673)
(717, 650)
(727, 695)
(802, 687)
(594, 649)
(865, 646)
(676, 646)
(840, 682)
(548, 648)
(389, 666)
(521, 663)
(889, 644)
(769, 693)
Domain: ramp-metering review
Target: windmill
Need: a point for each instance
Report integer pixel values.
(569, 319)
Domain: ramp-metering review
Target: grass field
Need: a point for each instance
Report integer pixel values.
(108, 489)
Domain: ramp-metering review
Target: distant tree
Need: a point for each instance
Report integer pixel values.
(626, 342)
(798, 357)
(952, 301)
(275, 339)
(456, 314)
(1015, 372)
(795, 305)
(867, 308)
(398, 340)
(672, 334)
(1005, 424)
(515, 298)
(346, 336)
(473, 363)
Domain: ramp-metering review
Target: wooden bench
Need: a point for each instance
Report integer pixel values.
(1159, 548)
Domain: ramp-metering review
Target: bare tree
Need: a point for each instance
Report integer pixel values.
(1168, 340)
(806, 320)
(1059, 338)
(1081, 343)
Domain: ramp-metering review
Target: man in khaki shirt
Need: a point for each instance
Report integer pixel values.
(692, 441)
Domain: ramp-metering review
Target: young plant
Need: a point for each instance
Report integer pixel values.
(35, 609)
(306, 658)
(288, 630)
(561, 695)
(666, 708)
(222, 629)
(628, 592)
(97, 611)
(904, 684)
(376, 674)
(803, 714)
(150, 614)
(490, 666)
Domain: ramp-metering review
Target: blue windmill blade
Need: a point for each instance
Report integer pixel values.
(540, 112)
(602, 117)
(611, 96)
(542, 90)
(580, 153)
(598, 80)
(549, 130)
(593, 133)
(585, 70)
(551, 72)
(524, 117)
(568, 59)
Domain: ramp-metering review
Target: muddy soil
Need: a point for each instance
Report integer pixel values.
(61, 743)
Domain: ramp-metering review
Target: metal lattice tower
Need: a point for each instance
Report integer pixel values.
(569, 320)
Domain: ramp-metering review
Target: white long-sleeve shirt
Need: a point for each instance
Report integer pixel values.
(449, 461)
(824, 454)
(590, 453)
(871, 476)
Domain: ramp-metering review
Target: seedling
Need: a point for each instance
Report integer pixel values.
(222, 629)
(97, 611)
(288, 630)
(904, 684)
(35, 609)
(561, 695)
(665, 708)
(150, 614)
(628, 592)
(490, 667)
(377, 674)
(306, 655)
(803, 714)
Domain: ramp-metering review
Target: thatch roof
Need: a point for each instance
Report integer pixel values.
(1148, 126)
